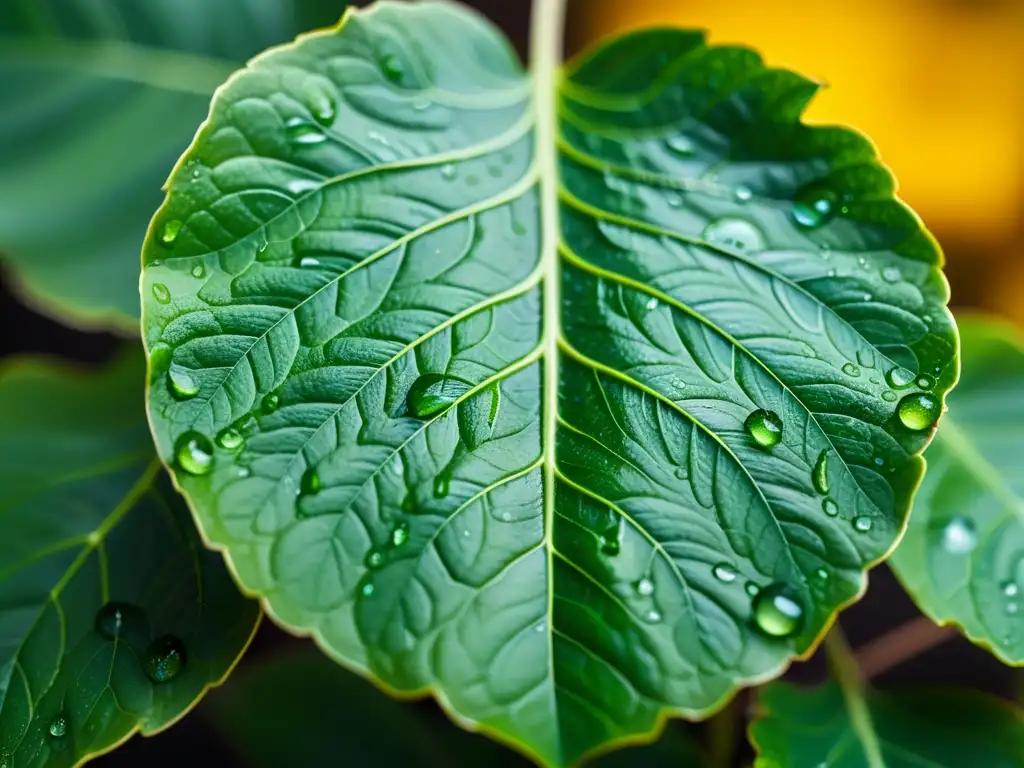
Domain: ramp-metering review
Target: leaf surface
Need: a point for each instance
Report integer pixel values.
(962, 559)
(100, 563)
(516, 472)
(99, 100)
(940, 728)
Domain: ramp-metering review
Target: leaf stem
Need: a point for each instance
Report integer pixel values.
(902, 644)
(723, 730)
(851, 682)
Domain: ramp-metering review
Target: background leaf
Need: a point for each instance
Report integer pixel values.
(346, 720)
(962, 559)
(100, 99)
(100, 563)
(349, 358)
(943, 728)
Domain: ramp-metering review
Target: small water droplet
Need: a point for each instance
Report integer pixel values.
(821, 574)
(879, 461)
(812, 209)
(724, 573)
(889, 396)
(321, 105)
(765, 427)
(432, 393)
(959, 536)
(674, 201)
(737, 234)
(1012, 608)
(111, 618)
(299, 131)
(1010, 588)
(680, 145)
(181, 383)
(611, 540)
(442, 485)
(271, 403)
(310, 483)
(165, 659)
(161, 293)
(518, 228)
(243, 472)
(448, 171)
(299, 187)
(230, 439)
(652, 616)
(868, 296)
(743, 194)
(194, 453)
(374, 559)
(829, 507)
(820, 474)
(170, 231)
(400, 534)
(851, 370)
(777, 612)
(59, 725)
(751, 588)
(367, 589)
(863, 524)
(198, 271)
(651, 304)
(924, 381)
(466, 533)
(392, 68)
(892, 274)
(919, 411)
(645, 587)
(899, 378)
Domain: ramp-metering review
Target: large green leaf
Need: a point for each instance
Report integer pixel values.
(99, 99)
(344, 720)
(352, 304)
(104, 583)
(963, 557)
(927, 728)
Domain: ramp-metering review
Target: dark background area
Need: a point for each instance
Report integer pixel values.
(885, 606)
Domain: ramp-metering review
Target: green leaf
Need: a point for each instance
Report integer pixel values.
(963, 556)
(359, 373)
(940, 728)
(104, 582)
(346, 720)
(99, 99)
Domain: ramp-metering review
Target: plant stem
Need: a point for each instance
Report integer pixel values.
(722, 732)
(901, 644)
(851, 682)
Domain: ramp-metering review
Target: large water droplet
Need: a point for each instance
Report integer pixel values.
(230, 439)
(165, 659)
(170, 231)
(59, 725)
(829, 507)
(765, 427)
(110, 619)
(919, 411)
(310, 482)
(433, 393)
(399, 534)
(899, 378)
(820, 474)
(645, 587)
(161, 293)
(959, 536)
(737, 234)
(812, 209)
(375, 559)
(193, 453)
(299, 131)
(181, 383)
(777, 611)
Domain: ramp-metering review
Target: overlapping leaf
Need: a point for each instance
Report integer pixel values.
(99, 99)
(963, 557)
(535, 477)
(105, 586)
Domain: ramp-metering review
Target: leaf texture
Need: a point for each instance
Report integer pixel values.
(557, 521)
(99, 564)
(99, 99)
(963, 557)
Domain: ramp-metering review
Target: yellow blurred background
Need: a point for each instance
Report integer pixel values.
(938, 85)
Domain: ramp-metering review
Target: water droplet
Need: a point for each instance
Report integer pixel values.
(645, 587)
(367, 589)
(1009, 588)
(680, 145)
(299, 131)
(194, 453)
(919, 411)
(611, 540)
(924, 381)
(59, 725)
(466, 533)
(181, 383)
(862, 524)
(892, 274)
(518, 228)
(392, 68)
(170, 231)
(165, 659)
(374, 559)
(868, 296)
(674, 201)
(899, 378)
(812, 209)
(879, 461)
(651, 304)
(959, 536)
(310, 482)
(321, 104)
(777, 612)
(738, 234)
(821, 574)
(724, 572)
(448, 171)
(442, 484)
(829, 507)
(271, 403)
(765, 427)
(889, 396)
(161, 293)
(820, 474)
(230, 439)
(400, 534)
(652, 616)
(198, 271)
(299, 187)
(743, 194)
(751, 588)
(110, 619)
(433, 393)
(851, 370)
